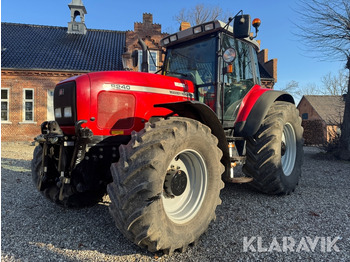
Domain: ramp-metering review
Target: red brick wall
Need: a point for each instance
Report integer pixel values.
(150, 33)
(40, 82)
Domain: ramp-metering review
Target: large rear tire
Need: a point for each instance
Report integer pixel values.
(73, 198)
(166, 184)
(275, 152)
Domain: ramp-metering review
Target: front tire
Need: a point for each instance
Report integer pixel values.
(166, 184)
(275, 152)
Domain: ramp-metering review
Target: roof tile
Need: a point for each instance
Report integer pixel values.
(48, 47)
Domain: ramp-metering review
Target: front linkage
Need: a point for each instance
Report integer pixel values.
(52, 137)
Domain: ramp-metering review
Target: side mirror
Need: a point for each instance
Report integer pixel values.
(241, 26)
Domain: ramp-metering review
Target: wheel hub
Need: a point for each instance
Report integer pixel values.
(175, 182)
(185, 186)
(288, 149)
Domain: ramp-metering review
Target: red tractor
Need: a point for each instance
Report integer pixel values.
(161, 144)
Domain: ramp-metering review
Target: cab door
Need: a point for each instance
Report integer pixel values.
(240, 73)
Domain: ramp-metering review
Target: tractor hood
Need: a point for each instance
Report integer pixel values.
(117, 102)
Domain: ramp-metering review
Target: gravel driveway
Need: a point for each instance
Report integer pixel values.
(312, 224)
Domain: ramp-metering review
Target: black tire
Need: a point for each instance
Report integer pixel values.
(275, 153)
(140, 203)
(74, 199)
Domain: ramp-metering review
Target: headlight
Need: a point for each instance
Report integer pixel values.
(58, 113)
(229, 55)
(67, 112)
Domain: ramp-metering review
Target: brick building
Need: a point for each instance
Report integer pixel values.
(35, 58)
(268, 69)
(321, 117)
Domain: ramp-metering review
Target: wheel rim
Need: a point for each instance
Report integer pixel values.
(182, 208)
(288, 149)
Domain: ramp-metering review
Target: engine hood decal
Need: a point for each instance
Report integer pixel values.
(147, 89)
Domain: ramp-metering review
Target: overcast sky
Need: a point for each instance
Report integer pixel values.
(276, 30)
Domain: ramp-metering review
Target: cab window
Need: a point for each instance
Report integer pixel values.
(242, 78)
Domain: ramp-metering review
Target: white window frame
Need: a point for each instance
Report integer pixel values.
(154, 54)
(24, 104)
(7, 100)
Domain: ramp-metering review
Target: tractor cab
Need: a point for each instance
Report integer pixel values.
(222, 65)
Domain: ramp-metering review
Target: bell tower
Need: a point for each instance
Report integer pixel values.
(77, 12)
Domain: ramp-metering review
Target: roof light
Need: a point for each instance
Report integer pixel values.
(173, 38)
(208, 27)
(197, 29)
(166, 41)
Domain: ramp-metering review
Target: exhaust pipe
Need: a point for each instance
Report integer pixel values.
(144, 65)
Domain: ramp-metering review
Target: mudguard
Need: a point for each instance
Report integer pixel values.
(204, 114)
(254, 109)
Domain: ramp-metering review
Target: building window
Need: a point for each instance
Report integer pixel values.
(50, 113)
(152, 63)
(4, 104)
(305, 116)
(28, 105)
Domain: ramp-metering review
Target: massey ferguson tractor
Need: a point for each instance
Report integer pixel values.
(161, 145)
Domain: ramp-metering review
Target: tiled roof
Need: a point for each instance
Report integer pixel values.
(329, 108)
(48, 47)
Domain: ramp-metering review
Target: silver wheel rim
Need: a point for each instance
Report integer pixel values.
(289, 140)
(181, 209)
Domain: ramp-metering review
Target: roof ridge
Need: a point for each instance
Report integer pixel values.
(60, 27)
(324, 95)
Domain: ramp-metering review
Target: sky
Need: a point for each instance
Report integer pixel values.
(277, 30)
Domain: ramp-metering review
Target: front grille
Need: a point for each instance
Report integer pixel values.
(64, 97)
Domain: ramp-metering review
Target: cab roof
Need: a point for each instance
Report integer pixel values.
(201, 30)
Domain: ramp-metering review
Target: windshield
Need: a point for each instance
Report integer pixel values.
(195, 61)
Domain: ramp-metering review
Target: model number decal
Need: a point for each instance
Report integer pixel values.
(119, 87)
(148, 89)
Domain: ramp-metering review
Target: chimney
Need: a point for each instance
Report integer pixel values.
(77, 10)
(184, 25)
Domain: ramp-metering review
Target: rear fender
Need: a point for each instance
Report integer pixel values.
(204, 114)
(255, 107)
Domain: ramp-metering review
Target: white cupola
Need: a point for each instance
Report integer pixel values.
(77, 12)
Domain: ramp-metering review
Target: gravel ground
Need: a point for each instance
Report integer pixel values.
(34, 229)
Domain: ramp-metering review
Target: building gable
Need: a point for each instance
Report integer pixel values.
(330, 109)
